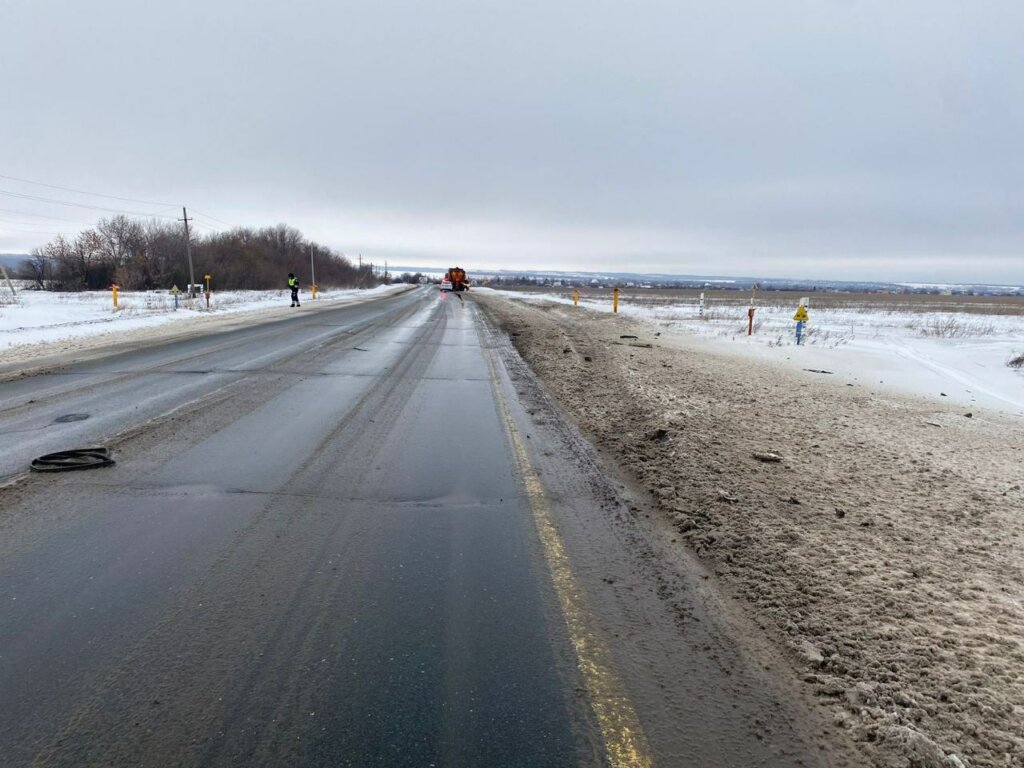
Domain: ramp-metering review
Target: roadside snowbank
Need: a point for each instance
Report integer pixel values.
(43, 316)
(956, 355)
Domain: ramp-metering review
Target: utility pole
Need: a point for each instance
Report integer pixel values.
(10, 285)
(188, 250)
(312, 271)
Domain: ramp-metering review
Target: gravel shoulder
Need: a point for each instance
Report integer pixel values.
(876, 538)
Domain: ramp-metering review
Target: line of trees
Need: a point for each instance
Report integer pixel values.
(150, 255)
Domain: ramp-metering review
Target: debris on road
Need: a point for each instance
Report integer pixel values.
(77, 458)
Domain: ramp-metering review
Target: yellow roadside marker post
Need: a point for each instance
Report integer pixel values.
(615, 300)
(312, 287)
(576, 298)
(207, 278)
(113, 288)
(801, 317)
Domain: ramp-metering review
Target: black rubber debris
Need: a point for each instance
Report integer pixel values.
(77, 458)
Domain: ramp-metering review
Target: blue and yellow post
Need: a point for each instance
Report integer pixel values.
(800, 317)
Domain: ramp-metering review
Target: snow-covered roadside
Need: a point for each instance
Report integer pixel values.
(956, 356)
(876, 538)
(40, 317)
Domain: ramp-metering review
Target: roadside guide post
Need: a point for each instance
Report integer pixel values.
(175, 291)
(750, 312)
(801, 317)
(207, 278)
(702, 305)
(113, 289)
(576, 297)
(615, 300)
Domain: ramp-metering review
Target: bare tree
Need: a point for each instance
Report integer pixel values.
(146, 255)
(39, 269)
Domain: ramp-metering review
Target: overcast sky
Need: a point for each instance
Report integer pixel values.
(816, 138)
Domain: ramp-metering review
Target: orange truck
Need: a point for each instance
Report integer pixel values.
(457, 277)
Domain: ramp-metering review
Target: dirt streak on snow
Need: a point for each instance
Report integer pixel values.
(883, 549)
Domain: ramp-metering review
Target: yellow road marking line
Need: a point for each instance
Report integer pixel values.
(624, 740)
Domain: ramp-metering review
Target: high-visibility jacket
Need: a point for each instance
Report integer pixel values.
(293, 282)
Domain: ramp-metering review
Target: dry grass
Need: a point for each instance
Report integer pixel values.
(1016, 362)
(952, 327)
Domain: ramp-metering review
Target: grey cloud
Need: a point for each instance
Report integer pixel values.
(838, 139)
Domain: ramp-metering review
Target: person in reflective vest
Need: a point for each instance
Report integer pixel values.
(293, 285)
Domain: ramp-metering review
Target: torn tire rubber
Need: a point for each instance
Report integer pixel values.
(77, 458)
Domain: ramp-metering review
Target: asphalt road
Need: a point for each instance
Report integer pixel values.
(336, 540)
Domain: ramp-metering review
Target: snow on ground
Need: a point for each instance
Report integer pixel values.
(42, 316)
(948, 354)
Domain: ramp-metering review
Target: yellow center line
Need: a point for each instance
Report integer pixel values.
(624, 740)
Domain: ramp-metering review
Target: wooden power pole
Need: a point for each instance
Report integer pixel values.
(188, 250)
(10, 285)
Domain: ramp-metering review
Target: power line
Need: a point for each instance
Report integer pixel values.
(17, 223)
(161, 214)
(41, 216)
(6, 228)
(83, 192)
(36, 198)
(212, 218)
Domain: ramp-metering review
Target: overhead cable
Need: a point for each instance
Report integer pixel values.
(212, 218)
(42, 216)
(83, 192)
(36, 198)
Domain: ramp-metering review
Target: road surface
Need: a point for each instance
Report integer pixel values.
(343, 539)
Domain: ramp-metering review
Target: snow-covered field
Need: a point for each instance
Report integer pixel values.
(37, 317)
(952, 354)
